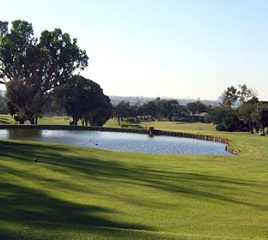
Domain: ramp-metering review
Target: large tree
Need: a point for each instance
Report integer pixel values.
(83, 99)
(246, 94)
(243, 94)
(225, 118)
(260, 115)
(31, 68)
(246, 113)
(229, 96)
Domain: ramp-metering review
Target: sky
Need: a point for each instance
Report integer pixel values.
(191, 49)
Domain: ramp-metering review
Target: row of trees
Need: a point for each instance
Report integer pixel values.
(37, 70)
(240, 110)
(162, 109)
(250, 116)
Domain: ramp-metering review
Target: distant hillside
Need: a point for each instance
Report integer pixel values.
(139, 100)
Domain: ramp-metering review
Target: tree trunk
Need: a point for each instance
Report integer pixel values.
(32, 121)
(75, 120)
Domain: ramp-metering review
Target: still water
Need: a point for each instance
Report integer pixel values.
(127, 142)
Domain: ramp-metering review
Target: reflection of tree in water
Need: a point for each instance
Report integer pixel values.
(24, 134)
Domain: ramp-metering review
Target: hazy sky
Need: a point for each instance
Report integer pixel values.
(161, 48)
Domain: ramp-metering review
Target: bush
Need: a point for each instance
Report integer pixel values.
(221, 127)
(131, 120)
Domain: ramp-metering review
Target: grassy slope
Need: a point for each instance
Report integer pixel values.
(81, 193)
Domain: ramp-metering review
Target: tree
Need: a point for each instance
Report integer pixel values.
(160, 108)
(245, 113)
(102, 114)
(124, 109)
(217, 114)
(196, 107)
(260, 115)
(246, 94)
(226, 119)
(230, 122)
(31, 68)
(150, 108)
(83, 99)
(168, 108)
(229, 96)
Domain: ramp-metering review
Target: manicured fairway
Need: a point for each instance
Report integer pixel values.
(81, 193)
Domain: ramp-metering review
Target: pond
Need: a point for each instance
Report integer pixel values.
(117, 141)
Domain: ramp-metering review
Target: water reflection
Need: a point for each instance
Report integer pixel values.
(127, 142)
(23, 134)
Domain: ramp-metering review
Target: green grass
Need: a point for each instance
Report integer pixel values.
(82, 193)
(55, 120)
(6, 119)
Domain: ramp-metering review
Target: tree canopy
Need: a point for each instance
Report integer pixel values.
(242, 94)
(196, 107)
(31, 68)
(249, 115)
(83, 99)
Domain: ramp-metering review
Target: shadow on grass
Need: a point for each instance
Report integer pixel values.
(113, 170)
(35, 207)
(22, 204)
(25, 205)
(36, 210)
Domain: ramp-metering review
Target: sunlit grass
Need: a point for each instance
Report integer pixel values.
(54, 120)
(82, 193)
(6, 119)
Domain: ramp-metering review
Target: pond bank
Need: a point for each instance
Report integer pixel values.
(127, 130)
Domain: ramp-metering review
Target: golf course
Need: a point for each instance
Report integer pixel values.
(53, 191)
